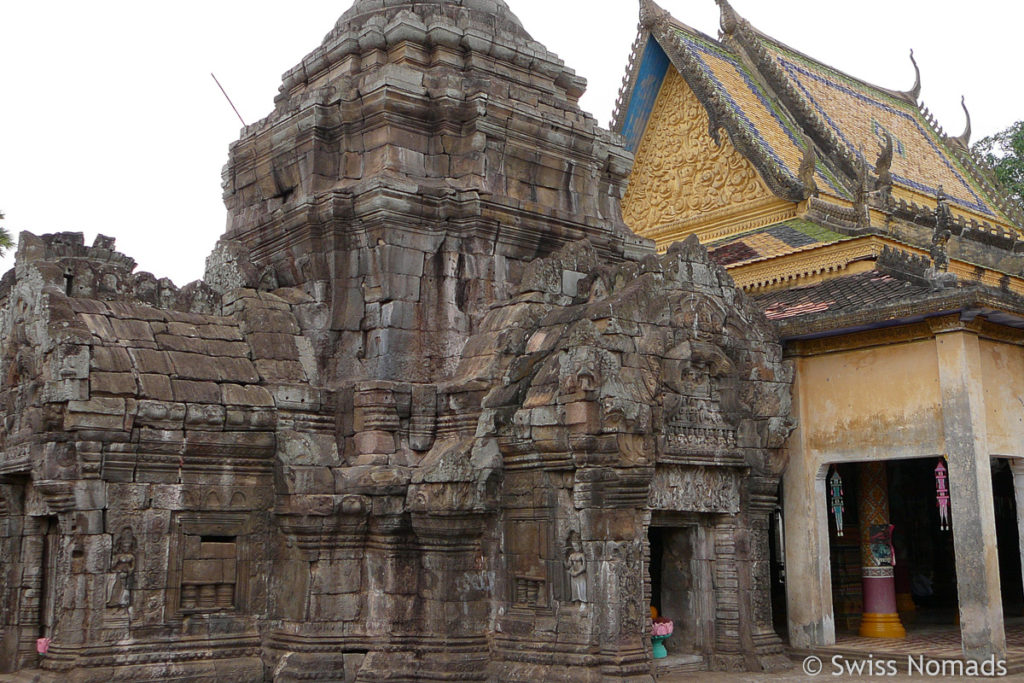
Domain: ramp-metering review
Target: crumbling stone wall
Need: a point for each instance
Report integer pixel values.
(420, 414)
(137, 469)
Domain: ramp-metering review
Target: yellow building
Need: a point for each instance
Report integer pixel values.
(891, 265)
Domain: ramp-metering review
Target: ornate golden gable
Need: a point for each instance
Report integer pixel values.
(682, 182)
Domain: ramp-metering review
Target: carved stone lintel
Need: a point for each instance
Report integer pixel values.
(695, 489)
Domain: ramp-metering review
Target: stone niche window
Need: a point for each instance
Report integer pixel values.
(209, 573)
(209, 564)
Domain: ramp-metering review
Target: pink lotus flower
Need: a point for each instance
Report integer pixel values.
(42, 645)
(661, 627)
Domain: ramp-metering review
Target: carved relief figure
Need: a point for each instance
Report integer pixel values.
(122, 565)
(576, 563)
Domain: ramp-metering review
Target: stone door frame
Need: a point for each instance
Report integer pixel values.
(699, 530)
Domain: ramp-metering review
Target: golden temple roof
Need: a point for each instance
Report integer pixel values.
(807, 128)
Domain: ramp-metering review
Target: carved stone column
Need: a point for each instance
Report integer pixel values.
(757, 630)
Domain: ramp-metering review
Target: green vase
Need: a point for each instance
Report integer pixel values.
(658, 646)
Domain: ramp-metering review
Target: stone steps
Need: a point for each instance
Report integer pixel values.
(26, 676)
(678, 664)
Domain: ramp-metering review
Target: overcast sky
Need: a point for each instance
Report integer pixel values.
(110, 122)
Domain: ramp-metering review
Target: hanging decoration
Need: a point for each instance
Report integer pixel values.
(942, 495)
(836, 486)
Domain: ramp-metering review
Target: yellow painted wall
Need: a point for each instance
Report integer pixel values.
(1003, 371)
(880, 402)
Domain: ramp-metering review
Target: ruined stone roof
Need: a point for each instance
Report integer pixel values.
(494, 13)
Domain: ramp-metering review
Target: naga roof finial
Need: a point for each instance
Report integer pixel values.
(884, 162)
(915, 92)
(651, 14)
(965, 137)
(729, 20)
(807, 169)
(883, 166)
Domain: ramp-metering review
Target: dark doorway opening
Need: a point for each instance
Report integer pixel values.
(926, 590)
(48, 576)
(925, 567)
(777, 572)
(1007, 538)
(679, 588)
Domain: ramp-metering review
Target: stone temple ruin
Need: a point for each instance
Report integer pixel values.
(419, 418)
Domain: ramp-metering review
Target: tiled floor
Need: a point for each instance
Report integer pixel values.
(934, 642)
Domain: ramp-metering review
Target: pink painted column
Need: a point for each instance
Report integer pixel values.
(880, 618)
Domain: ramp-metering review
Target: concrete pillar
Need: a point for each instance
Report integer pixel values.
(970, 480)
(880, 619)
(1017, 467)
(808, 575)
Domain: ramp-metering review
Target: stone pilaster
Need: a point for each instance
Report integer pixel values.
(757, 633)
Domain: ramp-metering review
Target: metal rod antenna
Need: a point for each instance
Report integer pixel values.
(228, 99)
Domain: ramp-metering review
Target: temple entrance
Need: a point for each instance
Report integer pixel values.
(923, 545)
(681, 588)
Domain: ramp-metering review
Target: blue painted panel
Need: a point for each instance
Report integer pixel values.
(648, 83)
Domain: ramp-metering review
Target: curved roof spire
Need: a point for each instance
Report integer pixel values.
(729, 19)
(651, 14)
(965, 137)
(914, 92)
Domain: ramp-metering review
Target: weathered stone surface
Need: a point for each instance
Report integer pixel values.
(421, 415)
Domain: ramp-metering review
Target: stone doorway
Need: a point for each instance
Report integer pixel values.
(681, 587)
(50, 531)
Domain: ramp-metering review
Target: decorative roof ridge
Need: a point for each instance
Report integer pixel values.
(778, 179)
(714, 244)
(748, 39)
(976, 166)
(907, 96)
(915, 92)
(651, 14)
(629, 78)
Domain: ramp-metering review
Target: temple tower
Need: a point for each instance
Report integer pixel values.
(412, 164)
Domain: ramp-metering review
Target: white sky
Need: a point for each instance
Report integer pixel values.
(110, 122)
